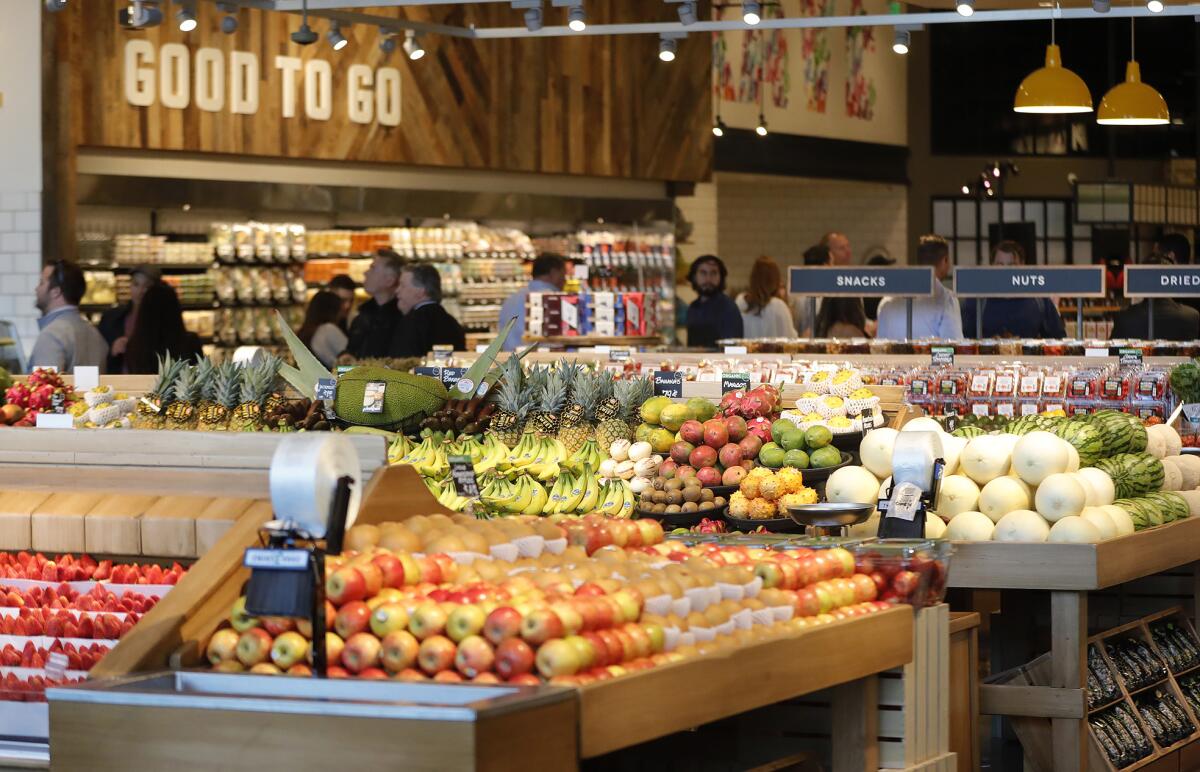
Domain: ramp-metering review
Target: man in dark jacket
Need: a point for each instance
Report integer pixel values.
(375, 324)
(713, 315)
(1172, 319)
(426, 323)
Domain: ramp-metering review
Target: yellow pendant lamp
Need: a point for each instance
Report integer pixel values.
(1133, 103)
(1053, 89)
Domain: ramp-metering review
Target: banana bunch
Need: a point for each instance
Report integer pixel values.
(587, 456)
(468, 445)
(616, 499)
(495, 452)
(525, 496)
(428, 458)
(448, 497)
(399, 448)
(536, 456)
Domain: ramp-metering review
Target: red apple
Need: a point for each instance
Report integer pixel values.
(352, 618)
(486, 678)
(540, 626)
(222, 646)
(400, 649)
(807, 602)
(431, 570)
(428, 620)
(864, 588)
(391, 568)
(525, 679)
(503, 623)
(448, 677)
(277, 626)
(266, 668)
(361, 652)
(591, 589)
(513, 657)
(254, 646)
(334, 646)
(299, 669)
(345, 585)
(436, 654)
(474, 656)
(410, 674)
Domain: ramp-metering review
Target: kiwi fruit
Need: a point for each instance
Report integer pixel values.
(706, 494)
(692, 482)
(672, 509)
(674, 484)
(706, 506)
(719, 501)
(658, 483)
(689, 507)
(660, 508)
(691, 494)
(675, 497)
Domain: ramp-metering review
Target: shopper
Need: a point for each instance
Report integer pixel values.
(1172, 319)
(878, 260)
(764, 314)
(1013, 317)
(159, 331)
(344, 287)
(116, 325)
(66, 340)
(713, 315)
(426, 323)
(320, 331)
(375, 324)
(549, 274)
(839, 248)
(841, 318)
(933, 317)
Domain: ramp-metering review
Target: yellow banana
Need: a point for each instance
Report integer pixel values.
(576, 487)
(537, 501)
(626, 499)
(591, 493)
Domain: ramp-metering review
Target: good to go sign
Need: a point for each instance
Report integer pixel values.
(214, 82)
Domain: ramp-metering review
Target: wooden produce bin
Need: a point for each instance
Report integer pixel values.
(1067, 572)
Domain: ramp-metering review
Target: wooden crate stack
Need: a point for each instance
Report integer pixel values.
(126, 524)
(913, 709)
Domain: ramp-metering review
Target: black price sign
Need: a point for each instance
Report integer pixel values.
(58, 401)
(452, 375)
(326, 389)
(868, 420)
(1130, 356)
(668, 383)
(442, 353)
(462, 472)
(942, 356)
(281, 582)
(432, 372)
(734, 382)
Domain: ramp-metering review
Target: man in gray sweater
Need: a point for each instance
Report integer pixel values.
(66, 339)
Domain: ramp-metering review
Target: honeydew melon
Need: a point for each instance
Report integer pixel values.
(1189, 467)
(852, 485)
(875, 450)
(1072, 457)
(1004, 495)
(952, 448)
(923, 424)
(1073, 530)
(1156, 444)
(1101, 520)
(1060, 495)
(1008, 441)
(883, 486)
(1193, 501)
(1022, 525)
(1039, 455)
(1101, 486)
(970, 526)
(957, 494)
(985, 458)
(935, 527)
(1172, 476)
(1089, 491)
(1120, 518)
(1173, 443)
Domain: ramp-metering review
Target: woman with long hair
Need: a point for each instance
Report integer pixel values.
(158, 331)
(320, 331)
(764, 314)
(841, 318)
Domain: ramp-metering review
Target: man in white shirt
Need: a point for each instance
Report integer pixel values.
(932, 317)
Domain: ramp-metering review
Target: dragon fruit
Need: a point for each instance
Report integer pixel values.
(17, 394)
(731, 403)
(761, 428)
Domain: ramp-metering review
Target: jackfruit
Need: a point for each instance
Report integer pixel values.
(407, 398)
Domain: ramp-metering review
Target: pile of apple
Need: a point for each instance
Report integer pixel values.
(68, 568)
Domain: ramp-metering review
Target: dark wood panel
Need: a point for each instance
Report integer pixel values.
(593, 105)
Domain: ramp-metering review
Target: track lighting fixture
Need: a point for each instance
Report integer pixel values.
(305, 36)
(751, 12)
(229, 23)
(965, 7)
(901, 41)
(666, 48)
(687, 13)
(54, 6)
(336, 38)
(718, 128)
(533, 19)
(1101, 6)
(1154, 6)
(186, 18)
(387, 41)
(761, 128)
(577, 18)
(412, 45)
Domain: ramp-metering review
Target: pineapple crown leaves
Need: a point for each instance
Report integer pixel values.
(206, 373)
(553, 394)
(510, 396)
(512, 377)
(589, 391)
(168, 371)
(571, 372)
(187, 386)
(228, 382)
(258, 380)
(303, 378)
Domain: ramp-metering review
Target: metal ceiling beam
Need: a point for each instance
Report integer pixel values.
(354, 17)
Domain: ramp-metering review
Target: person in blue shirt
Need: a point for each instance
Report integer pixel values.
(549, 275)
(713, 315)
(933, 317)
(1013, 317)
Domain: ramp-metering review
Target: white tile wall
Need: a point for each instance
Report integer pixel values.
(20, 261)
(700, 210)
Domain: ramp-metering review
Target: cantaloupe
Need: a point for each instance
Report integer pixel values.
(875, 450)
(1101, 520)
(1193, 501)
(1156, 444)
(1003, 495)
(1172, 476)
(1172, 443)
(1021, 525)
(1060, 495)
(1101, 485)
(1189, 467)
(1120, 518)
(984, 458)
(1038, 455)
(852, 485)
(970, 526)
(1073, 530)
(957, 494)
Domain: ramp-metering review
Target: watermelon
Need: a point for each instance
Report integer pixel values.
(1173, 506)
(967, 432)
(1021, 426)
(1133, 473)
(1085, 438)
(1118, 434)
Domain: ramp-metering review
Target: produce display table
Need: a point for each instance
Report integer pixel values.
(1068, 572)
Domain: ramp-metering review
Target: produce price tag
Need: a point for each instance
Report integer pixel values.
(343, 369)
(441, 353)
(620, 354)
(432, 372)
(58, 402)
(1191, 411)
(87, 377)
(906, 498)
(980, 384)
(1095, 352)
(1029, 408)
(942, 356)
(1005, 410)
(56, 666)
(980, 409)
(55, 421)
(276, 560)
(326, 389)
(734, 382)
(868, 420)
(462, 472)
(373, 397)
(668, 383)
(1130, 356)
(735, 350)
(452, 375)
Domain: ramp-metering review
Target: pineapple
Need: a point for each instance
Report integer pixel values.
(257, 384)
(512, 404)
(185, 395)
(149, 414)
(206, 375)
(642, 391)
(214, 415)
(620, 425)
(550, 399)
(573, 375)
(579, 419)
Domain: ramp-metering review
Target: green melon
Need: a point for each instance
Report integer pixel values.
(1086, 439)
(1133, 473)
(967, 432)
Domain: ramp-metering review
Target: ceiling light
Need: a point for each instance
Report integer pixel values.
(54, 6)
(387, 43)
(1053, 89)
(229, 24)
(751, 12)
(687, 12)
(533, 19)
(666, 49)
(577, 18)
(412, 45)
(336, 38)
(1154, 6)
(186, 19)
(1133, 103)
(901, 41)
(966, 190)
(139, 15)
(305, 35)
(718, 128)
(1101, 6)
(761, 128)
(965, 7)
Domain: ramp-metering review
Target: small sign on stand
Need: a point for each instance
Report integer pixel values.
(942, 356)
(462, 472)
(668, 383)
(734, 382)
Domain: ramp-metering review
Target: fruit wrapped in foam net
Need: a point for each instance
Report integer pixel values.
(831, 406)
(807, 403)
(845, 382)
(101, 395)
(844, 425)
(818, 382)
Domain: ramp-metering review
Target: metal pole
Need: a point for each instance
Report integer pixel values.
(979, 318)
(1149, 318)
(908, 313)
(812, 317)
(1079, 318)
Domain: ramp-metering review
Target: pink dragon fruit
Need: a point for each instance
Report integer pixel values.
(761, 428)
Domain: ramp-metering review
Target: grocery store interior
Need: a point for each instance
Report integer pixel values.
(714, 385)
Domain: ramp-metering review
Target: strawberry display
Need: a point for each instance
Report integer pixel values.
(99, 598)
(61, 623)
(68, 568)
(78, 657)
(32, 688)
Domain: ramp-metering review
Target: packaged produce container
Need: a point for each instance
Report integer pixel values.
(911, 571)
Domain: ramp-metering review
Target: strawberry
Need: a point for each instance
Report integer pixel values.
(153, 574)
(103, 570)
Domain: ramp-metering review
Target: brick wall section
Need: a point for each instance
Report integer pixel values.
(20, 261)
